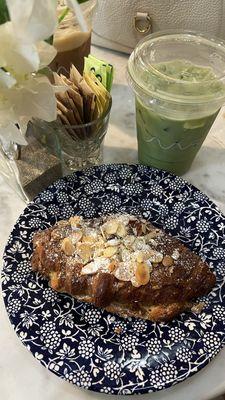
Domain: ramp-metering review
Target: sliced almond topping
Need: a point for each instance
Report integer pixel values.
(110, 251)
(67, 247)
(118, 330)
(143, 227)
(112, 266)
(111, 227)
(140, 257)
(76, 236)
(128, 240)
(134, 282)
(197, 308)
(54, 280)
(56, 234)
(90, 269)
(155, 256)
(62, 222)
(152, 242)
(85, 251)
(142, 274)
(152, 234)
(124, 272)
(75, 221)
(88, 239)
(98, 251)
(175, 255)
(102, 232)
(125, 255)
(121, 230)
(167, 261)
(113, 242)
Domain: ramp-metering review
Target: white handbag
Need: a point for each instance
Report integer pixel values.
(120, 24)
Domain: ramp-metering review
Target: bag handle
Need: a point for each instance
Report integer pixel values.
(142, 22)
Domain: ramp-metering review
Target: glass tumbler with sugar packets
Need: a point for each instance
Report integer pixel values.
(82, 145)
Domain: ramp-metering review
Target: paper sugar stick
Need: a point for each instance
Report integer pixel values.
(101, 69)
(77, 100)
(71, 98)
(102, 96)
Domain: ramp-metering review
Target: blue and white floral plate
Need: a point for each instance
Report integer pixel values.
(81, 343)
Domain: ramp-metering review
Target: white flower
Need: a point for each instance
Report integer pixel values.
(52, 341)
(86, 348)
(80, 378)
(212, 343)
(49, 295)
(176, 334)
(219, 313)
(66, 352)
(203, 225)
(22, 49)
(25, 94)
(92, 316)
(128, 342)
(106, 390)
(146, 203)
(119, 327)
(139, 326)
(28, 319)
(67, 320)
(171, 222)
(183, 354)
(205, 320)
(32, 97)
(55, 366)
(4, 278)
(220, 268)
(14, 306)
(153, 346)
(219, 252)
(133, 188)
(166, 373)
(112, 370)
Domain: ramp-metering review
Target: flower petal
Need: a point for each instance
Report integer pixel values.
(35, 98)
(6, 80)
(13, 134)
(33, 20)
(6, 111)
(46, 53)
(16, 55)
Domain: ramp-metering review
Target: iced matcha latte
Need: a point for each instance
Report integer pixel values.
(177, 99)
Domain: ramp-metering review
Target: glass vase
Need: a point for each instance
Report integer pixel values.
(71, 43)
(31, 168)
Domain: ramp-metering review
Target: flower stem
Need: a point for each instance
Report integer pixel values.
(74, 5)
(63, 15)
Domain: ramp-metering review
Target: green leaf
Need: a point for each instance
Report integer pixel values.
(81, 1)
(4, 14)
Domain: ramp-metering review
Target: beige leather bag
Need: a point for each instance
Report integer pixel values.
(120, 24)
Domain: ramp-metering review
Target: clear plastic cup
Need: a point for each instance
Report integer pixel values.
(71, 43)
(178, 78)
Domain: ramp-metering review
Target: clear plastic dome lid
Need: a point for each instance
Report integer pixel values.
(179, 66)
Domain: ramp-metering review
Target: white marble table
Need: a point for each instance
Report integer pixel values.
(21, 376)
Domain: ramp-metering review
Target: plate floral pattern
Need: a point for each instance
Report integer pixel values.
(92, 348)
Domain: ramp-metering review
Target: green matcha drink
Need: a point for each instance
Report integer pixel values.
(177, 99)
